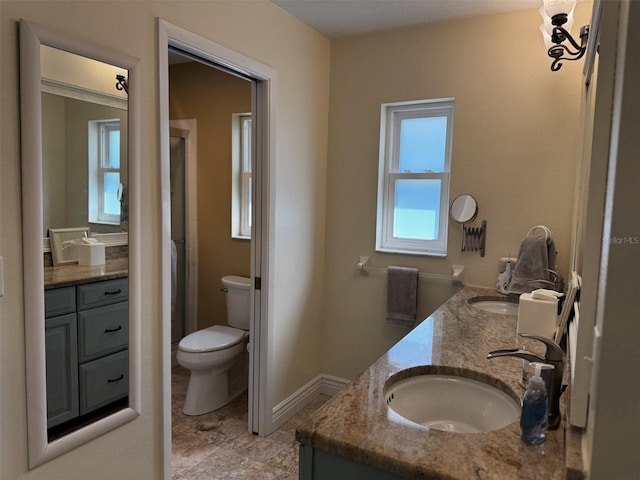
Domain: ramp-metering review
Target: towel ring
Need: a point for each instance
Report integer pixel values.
(547, 232)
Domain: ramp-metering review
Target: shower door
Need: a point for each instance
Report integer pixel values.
(178, 250)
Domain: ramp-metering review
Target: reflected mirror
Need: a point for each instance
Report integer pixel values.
(464, 208)
(78, 122)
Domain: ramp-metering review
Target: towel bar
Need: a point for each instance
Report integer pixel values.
(363, 266)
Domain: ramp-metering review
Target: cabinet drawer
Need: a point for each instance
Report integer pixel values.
(103, 381)
(59, 301)
(103, 330)
(102, 293)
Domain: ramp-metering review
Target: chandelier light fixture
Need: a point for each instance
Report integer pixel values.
(557, 20)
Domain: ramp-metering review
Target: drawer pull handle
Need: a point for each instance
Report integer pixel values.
(109, 380)
(114, 293)
(111, 330)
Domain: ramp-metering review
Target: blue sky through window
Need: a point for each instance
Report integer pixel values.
(111, 204)
(417, 207)
(114, 149)
(422, 144)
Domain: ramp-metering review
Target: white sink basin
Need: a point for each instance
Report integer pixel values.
(451, 403)
(495, 306)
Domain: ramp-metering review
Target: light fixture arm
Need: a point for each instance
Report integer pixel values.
(121, 83)
(558, 51)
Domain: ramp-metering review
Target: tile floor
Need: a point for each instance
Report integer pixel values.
(218, 446)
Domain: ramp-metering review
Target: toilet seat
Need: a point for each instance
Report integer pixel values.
(217, 337)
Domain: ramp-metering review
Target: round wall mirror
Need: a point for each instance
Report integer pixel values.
(464, 208)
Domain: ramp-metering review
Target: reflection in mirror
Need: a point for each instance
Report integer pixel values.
(79, 133)
(84, 160)
(84, 143)
(464, 208)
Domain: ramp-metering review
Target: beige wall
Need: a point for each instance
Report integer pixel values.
(54, 163)
(300, 58)
(211, 96)
(515, 145)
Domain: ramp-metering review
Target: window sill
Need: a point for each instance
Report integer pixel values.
(100, 222)
(412, 252)
(240, 237)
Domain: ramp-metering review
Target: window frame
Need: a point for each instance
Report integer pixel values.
(241, 175)
(98, 154)
(388, 174)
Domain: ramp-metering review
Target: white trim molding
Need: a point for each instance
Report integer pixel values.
(322, 384)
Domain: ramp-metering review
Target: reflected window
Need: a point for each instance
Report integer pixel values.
(241, 175)
(105, 187)
(413, 183)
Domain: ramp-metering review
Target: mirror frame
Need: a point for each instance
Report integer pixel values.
(463, 196)
(32, 36)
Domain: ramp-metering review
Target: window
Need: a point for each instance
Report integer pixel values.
(105, 188)
(241, 175)
(413, 178)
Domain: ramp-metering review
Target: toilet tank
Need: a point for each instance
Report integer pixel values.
(237, 295)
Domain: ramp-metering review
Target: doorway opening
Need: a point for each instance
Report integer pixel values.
(260, 78)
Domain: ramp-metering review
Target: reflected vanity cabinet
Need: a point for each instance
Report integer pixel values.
(86, 340)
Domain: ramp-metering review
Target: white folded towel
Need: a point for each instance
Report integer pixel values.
(402, 296)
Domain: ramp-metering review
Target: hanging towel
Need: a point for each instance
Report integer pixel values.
(535, 257)
(402, 296)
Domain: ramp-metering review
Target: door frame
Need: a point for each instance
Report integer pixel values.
(262, 245)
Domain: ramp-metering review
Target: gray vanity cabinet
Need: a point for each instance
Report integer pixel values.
(87, 337)
(103, 330)
(103, 381)
(61, 349)
(315, 464)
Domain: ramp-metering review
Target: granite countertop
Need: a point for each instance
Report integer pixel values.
(67, 275)
(355, 423)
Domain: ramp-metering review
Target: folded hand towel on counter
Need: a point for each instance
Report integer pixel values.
(402, 296)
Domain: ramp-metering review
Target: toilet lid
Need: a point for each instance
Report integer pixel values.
(210, 339)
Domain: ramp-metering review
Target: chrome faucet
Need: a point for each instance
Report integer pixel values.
(553, 356)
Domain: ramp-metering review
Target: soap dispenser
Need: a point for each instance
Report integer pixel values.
(535, 407)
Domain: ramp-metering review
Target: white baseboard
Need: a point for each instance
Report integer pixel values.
(322, 384)
(331, 385)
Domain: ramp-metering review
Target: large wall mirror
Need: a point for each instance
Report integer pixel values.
(79, 128)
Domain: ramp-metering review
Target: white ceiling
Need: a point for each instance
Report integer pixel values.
(339, 18)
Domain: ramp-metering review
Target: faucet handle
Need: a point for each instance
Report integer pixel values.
(554, 351)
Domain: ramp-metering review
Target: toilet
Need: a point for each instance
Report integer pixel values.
(210, 353)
